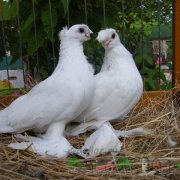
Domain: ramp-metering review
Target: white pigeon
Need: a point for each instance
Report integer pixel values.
(61, 97)
(118, 87)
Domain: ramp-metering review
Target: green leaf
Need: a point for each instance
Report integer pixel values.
(162, 76)
(46, 20)
(45, 16)
(74, 162)
(170, 65)
(178, 165)
(149, 59)
(152, 84)
(28, 22)
(138, 59)
(25, 34)
(8, 10)
(123, 162)
(166, 86)
(43, 72)
(5, 92)
(13, 9)
(32, 41)
(4, 9)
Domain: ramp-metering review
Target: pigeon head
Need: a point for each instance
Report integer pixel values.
(108, 37)
(79, 32)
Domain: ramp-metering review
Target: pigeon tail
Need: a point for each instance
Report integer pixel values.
(134, 132)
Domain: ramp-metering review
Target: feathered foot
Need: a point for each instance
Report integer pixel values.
(103, 140)
(43, 146)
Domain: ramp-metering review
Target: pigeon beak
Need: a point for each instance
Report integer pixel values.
(88, 35)
(90, 32)
(106, 44)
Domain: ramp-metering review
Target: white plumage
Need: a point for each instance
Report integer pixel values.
(103, 140)
(58, 99)
(53, 143)
(118, 86)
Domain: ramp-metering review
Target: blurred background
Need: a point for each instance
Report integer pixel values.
(29, 42)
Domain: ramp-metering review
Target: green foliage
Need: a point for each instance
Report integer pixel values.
(151, 73)
(134, 21)
(5, 92)
(137, 27)
(46, 21)
(123, 163)
(28, 22)
(178, 165)
(8, 10)
(95, 53)
(74, 162)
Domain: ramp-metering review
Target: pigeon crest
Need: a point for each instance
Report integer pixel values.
(63, 32)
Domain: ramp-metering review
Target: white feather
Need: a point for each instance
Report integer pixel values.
(102, 141)
(45, 147)
(171, 142)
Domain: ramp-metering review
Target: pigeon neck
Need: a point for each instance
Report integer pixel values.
(116, 57)
(119, 50)
(67, 43)
(70, 49)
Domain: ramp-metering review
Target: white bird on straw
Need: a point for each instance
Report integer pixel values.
(55, 101)
(118, 87)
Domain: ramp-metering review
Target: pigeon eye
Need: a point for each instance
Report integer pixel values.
(81, 30)
(113, 36)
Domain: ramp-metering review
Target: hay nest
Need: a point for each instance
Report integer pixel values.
(161, 115)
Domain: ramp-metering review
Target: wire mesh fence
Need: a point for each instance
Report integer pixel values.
(29, 43)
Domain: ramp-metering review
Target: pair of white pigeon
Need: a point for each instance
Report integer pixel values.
(73, 93)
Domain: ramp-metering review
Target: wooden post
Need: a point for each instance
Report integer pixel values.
(176, 75)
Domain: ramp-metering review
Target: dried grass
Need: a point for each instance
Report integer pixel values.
(161, 115)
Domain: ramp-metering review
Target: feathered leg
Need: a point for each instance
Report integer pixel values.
(53, 143)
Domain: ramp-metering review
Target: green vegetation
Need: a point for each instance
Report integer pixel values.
(136, 22)
(123, 163)
(74, 162)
